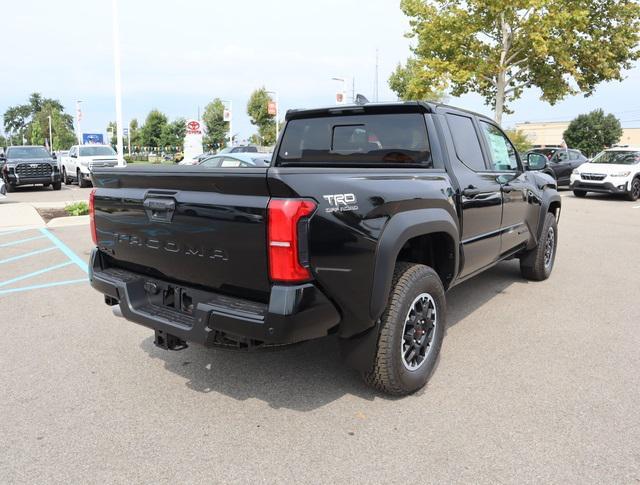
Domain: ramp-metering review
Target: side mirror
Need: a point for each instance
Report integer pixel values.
(74, 156)
(536, 161)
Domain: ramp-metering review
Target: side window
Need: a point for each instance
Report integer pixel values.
(228, 162)
(503, 155)
(574, 155)
(211, 162)
(562, 156)
(466, 141)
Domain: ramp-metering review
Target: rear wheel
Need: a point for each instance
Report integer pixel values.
(538, 263)
(411, 331)
(634, 190)
(580, 193)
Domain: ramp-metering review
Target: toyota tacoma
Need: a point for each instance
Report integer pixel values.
(365, 217)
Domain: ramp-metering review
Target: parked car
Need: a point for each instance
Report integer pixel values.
(29, 165)
(363, 220)
(237, 160)
(83, 159)
(612, 171)
(561, 163)
(239, 149)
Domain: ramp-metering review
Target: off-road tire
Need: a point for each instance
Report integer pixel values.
(580, 193)
(388, 372)
(634, 190)
(534, 265)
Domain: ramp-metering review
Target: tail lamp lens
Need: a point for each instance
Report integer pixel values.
(284, 219)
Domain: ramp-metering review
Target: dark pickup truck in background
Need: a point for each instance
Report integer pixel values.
(29, 165)
(365, 217)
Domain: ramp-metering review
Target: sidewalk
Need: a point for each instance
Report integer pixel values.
(19, 215)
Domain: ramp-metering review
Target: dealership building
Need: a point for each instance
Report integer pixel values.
(550, 133)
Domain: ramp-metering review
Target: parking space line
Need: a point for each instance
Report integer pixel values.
(14, 231)
(32, 253)
(14, 243)
(66, 250)
(636, 207)
(44, 285)
(35, 273)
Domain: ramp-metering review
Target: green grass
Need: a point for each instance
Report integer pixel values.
(77, 209)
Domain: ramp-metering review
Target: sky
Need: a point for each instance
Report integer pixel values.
(178, 56)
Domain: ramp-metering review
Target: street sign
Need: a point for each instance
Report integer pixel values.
(272, 109)
(340, 98)
(125, 132)
(226, 115)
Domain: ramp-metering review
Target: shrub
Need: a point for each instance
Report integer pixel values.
(77, 209)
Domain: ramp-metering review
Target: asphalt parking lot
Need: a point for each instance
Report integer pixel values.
(537, 382)
(31, 194)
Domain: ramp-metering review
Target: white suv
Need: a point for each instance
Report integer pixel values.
(82, 159)
(613, 171)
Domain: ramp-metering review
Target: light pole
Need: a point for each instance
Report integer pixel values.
(118, 85)
(50, 136)
(275, 94)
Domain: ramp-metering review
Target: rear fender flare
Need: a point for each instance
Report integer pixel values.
(400, 229)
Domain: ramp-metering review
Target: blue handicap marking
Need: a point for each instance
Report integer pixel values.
(73, 259)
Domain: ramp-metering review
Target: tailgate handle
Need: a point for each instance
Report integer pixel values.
(159, 209)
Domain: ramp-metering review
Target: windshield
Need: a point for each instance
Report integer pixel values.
(22, 153)
(90, 151)
(618, 157)
(383, 139)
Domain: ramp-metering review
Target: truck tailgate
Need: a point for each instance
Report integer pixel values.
(206, 227)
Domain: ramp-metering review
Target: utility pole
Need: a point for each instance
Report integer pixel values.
(118, 85)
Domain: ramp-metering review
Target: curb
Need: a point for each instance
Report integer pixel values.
(68, 221)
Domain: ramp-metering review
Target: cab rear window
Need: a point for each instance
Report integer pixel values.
(357, 140)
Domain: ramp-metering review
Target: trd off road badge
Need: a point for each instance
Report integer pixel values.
(341, 202)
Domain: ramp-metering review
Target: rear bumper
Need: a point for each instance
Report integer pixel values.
(293, 314)
(604, 188)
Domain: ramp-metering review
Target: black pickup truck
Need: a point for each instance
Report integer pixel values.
(365, 217)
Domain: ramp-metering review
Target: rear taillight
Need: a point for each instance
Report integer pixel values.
(92, 216)
(287, 238)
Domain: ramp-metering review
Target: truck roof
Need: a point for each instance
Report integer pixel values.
(376, 108)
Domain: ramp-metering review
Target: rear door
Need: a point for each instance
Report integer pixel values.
(481, 196)
(200, 226)
(503, 162)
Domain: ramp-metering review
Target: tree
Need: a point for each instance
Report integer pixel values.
(151, 131)
(519, 140)
(23, 120)
(134, 132)
(498, 49)
(172, 134)
(410, 84)
(216, 128)
(111, 129)
(258, 111)
(36, 136)
(592, 132)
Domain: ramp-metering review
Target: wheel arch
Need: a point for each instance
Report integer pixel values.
(424, 236)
